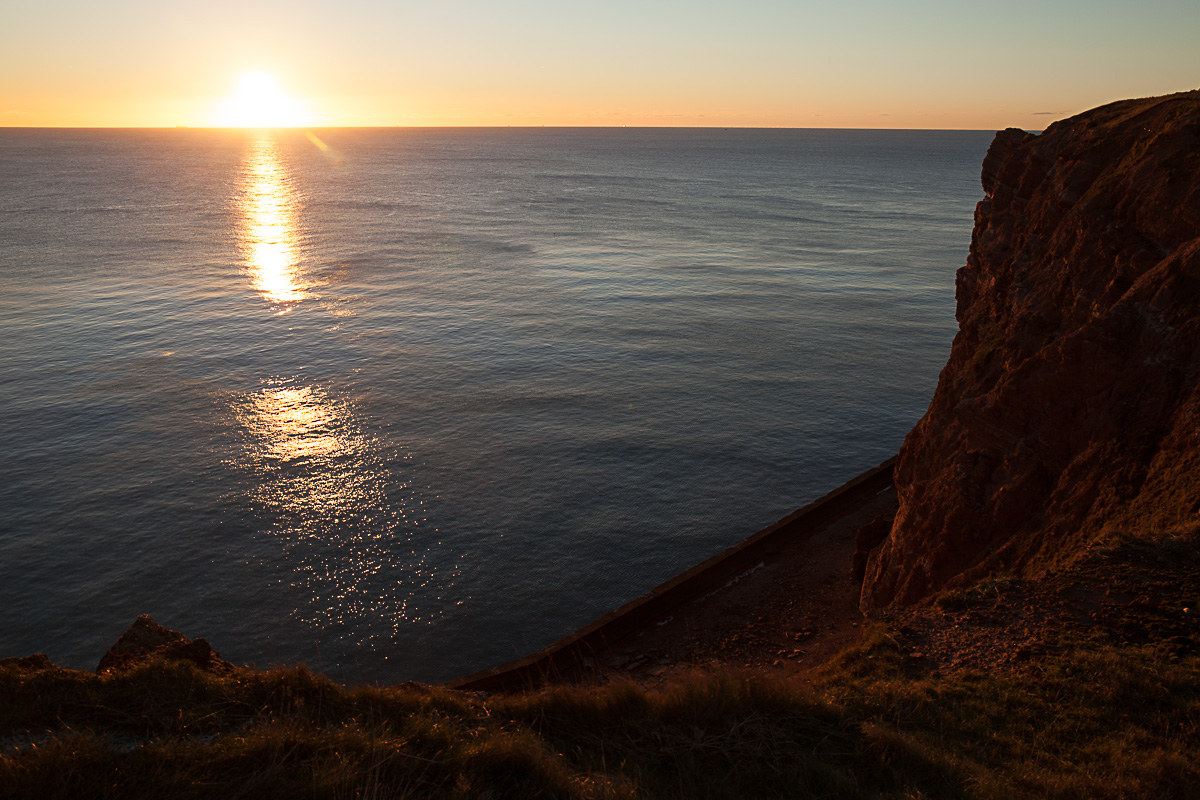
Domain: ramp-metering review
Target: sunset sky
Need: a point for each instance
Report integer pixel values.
(857, 63)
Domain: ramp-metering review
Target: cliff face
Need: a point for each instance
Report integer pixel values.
(1071, 399)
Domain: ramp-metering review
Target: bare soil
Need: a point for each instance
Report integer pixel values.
(799, 607)
(788, 613)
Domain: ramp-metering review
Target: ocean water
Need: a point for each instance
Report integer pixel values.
(403, 404)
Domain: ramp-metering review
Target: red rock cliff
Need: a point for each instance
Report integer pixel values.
(1071, 399)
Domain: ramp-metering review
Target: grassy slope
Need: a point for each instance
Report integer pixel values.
(1109, 707)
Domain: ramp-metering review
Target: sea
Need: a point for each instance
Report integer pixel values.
(402, 404)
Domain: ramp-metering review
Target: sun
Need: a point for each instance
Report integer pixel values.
(258, 102)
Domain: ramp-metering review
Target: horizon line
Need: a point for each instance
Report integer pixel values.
(480, 127)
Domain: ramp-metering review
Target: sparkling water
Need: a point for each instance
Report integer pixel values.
(406, 403)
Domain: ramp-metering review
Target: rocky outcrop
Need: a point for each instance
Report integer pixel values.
(31, 663)
(146, 640)
(1071, 399)
(866, 539)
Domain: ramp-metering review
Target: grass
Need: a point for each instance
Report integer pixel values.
(1087, 722)
(1091, 721)
(1108, 708)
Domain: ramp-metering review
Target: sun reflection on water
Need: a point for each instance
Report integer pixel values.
(268, 232)
(339, 521)
(352, 531)
(294, 423)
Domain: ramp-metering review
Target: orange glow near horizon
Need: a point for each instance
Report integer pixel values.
(761, 63)
(259, 102)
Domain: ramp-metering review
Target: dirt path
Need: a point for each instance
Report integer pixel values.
(782, 599)
(794, 609)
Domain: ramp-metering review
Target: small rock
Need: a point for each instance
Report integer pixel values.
(31, 663)
(416, 687)
(147, 640)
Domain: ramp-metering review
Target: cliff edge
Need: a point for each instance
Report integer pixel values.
(1071, 399)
